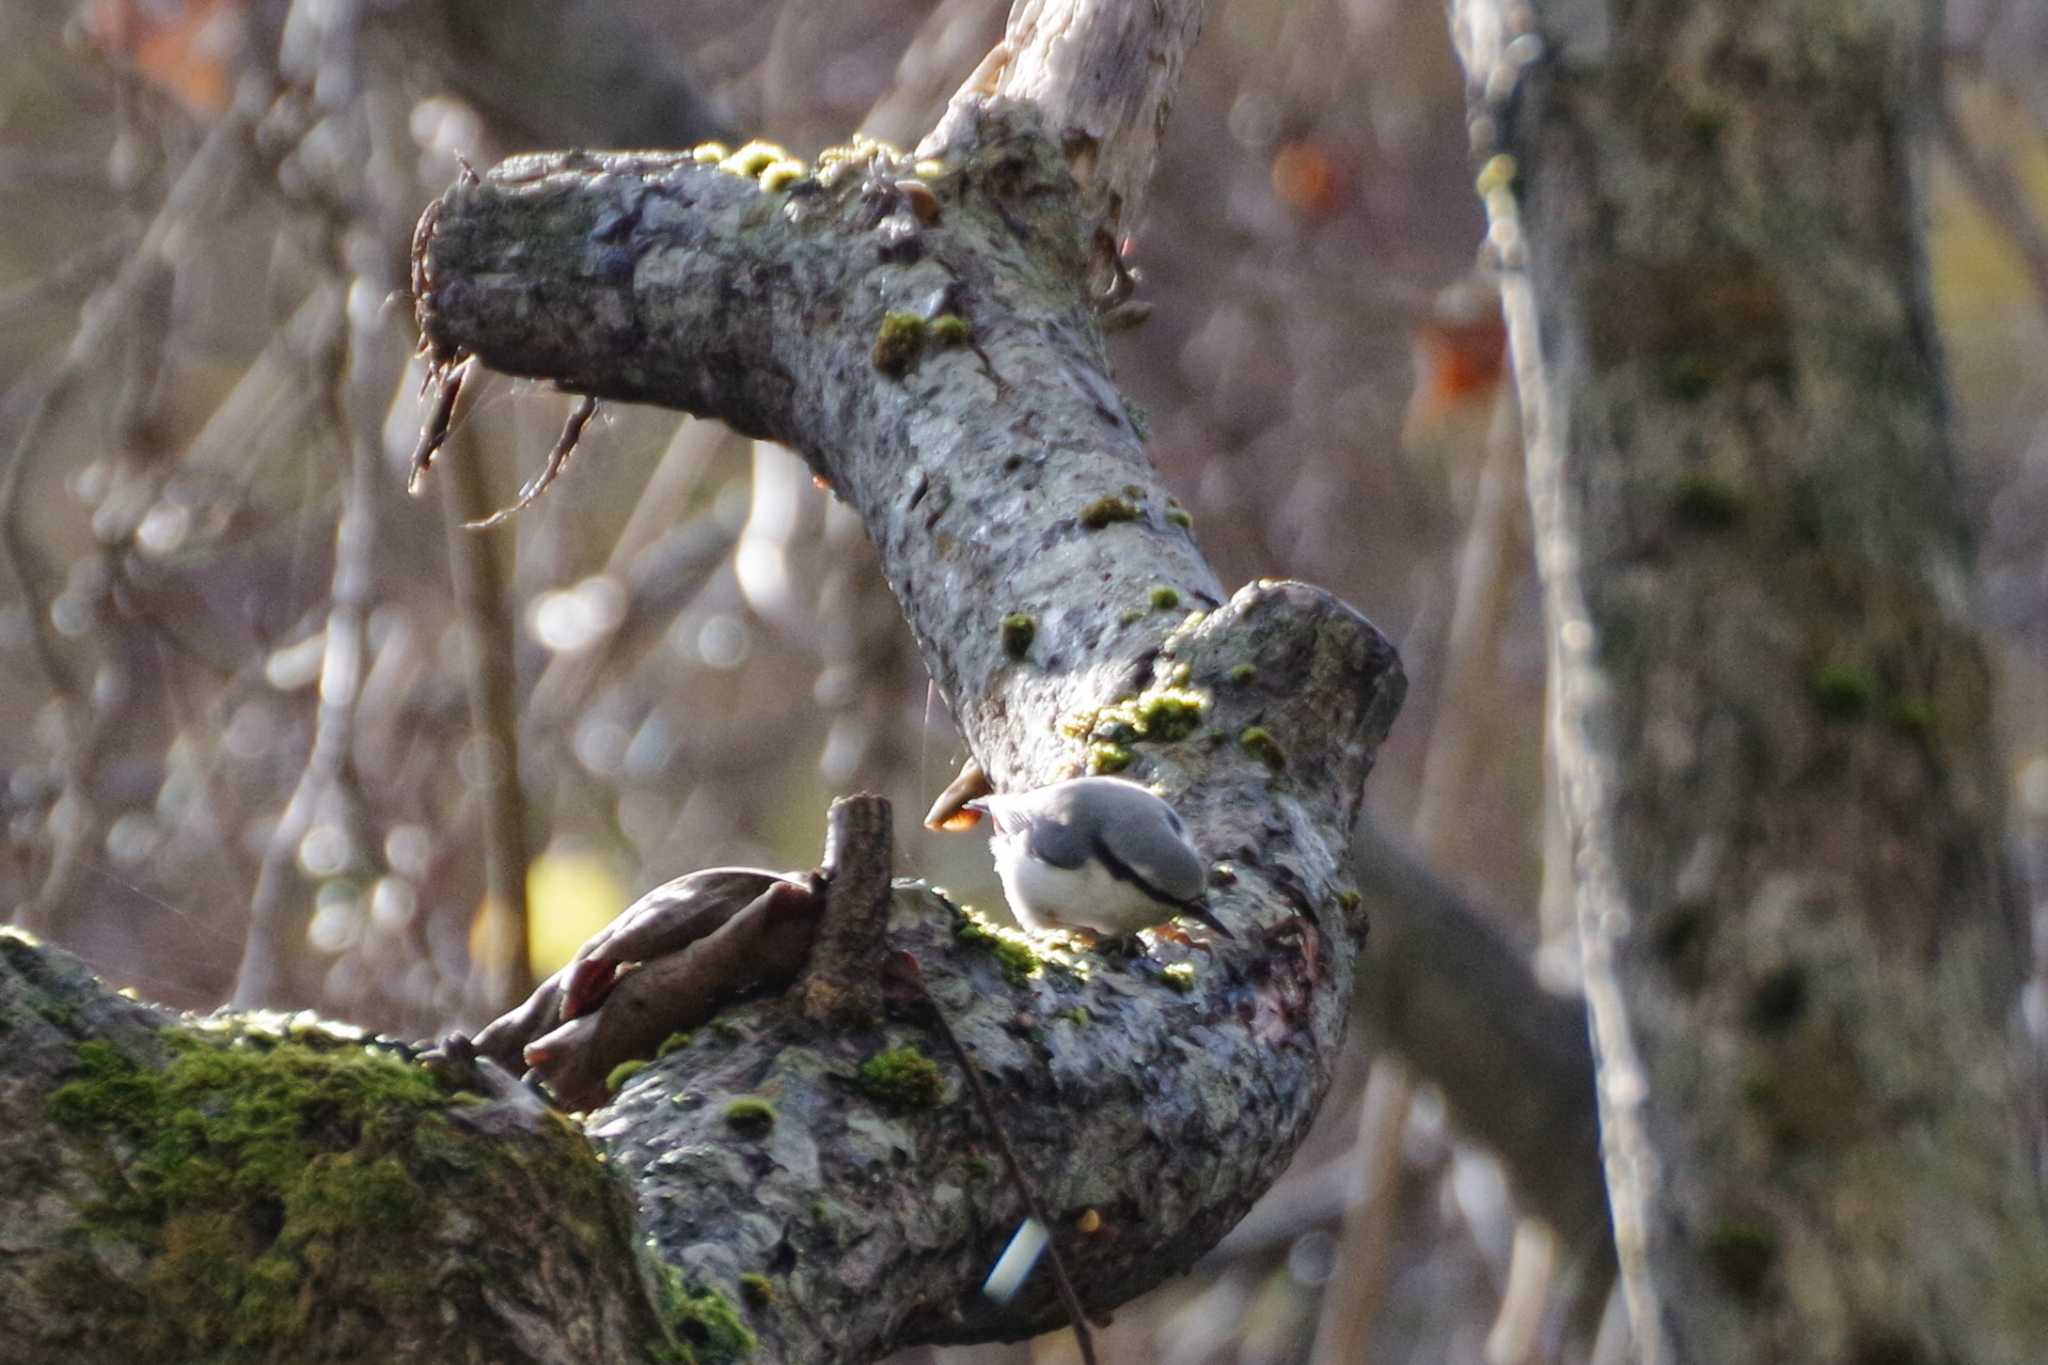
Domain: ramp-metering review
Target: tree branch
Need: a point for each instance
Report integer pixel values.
(1001, 478)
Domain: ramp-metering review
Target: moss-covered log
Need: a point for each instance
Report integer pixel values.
(267, 1188)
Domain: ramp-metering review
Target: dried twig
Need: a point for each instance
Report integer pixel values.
(565, 446)
(327, 772)
(446, 378)
(1998, 194)
(905, 967)
(491, 682)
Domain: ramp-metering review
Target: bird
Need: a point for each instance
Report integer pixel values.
(1100, 854)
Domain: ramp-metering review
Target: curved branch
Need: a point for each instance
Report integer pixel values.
(1048, 581)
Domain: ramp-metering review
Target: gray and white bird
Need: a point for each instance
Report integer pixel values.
(1096, 853)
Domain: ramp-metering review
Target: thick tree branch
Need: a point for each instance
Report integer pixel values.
(1047, 578)
(269, 1188)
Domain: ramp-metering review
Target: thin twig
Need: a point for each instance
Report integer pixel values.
(73, 272)
(1998, 194)
(491, 681)
(341, 674)
(986, 1108)
(565, 446)
(447, 380)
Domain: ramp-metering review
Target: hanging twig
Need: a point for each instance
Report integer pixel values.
(905, 967)
(565, 445)
(505, 975)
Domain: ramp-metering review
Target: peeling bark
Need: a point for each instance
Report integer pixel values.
(1774, 737)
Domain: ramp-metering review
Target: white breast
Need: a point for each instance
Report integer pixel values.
(1043, 897)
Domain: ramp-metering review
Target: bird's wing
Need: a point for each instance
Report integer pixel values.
(1056, 843)
(1157, 865)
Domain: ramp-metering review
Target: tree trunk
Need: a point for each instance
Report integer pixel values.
(1799, 948)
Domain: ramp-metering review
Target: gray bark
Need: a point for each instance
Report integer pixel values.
(261, 1214)
(1774, 714)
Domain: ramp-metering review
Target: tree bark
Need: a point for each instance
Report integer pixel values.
(267, 1188)
(1820, 1125)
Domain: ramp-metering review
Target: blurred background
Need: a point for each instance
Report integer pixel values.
(274, 732)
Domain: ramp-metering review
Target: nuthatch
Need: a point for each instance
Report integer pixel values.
(1096, 853)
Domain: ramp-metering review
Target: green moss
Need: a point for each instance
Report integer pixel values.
(1168, 713)
(1012, 950)
(728, 1029)
(1163, 598)
(675, 1042)
(779, 175)
(1349, 900)
(1181, 517)
(707, 1325)
(1107, 759)
(902, 1078)
(1179, 975)
(751, 1115)
(980, 1168)
(753, 158)
(1706, 501)
(709, 153)
(1158, 715)
(1018, 631)
(269, 1182)
(1910, 715)
(1497, 174)
(757, 1289)
(1843, 690)
(899, 341)
(1258, 741)
(1243, 673)
(1104, 511)
(950, 329)
(1704, 126)
(1078, 1016)
(1688, 374)
(1130, 617)
(1759, 1087)
(617, 1077)
(1741, 1253)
